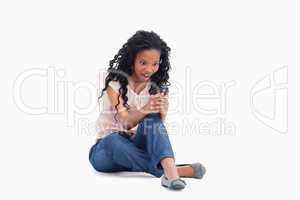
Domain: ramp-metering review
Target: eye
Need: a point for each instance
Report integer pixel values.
(142, 62)
(156, 64)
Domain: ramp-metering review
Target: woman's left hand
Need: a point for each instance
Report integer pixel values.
(164, 104)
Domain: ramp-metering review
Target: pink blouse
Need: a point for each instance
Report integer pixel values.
(106, 124)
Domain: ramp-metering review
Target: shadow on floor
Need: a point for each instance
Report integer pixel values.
(126, 174)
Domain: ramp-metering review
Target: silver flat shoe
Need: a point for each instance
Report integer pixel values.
(175, 184)
(198, 168)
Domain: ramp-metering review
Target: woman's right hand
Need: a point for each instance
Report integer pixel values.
(153, 105)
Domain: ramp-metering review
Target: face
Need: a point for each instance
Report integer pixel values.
(146, 64)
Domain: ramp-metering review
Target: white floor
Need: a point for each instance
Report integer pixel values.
(55, 165)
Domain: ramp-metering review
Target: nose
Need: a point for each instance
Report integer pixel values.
(149, 70)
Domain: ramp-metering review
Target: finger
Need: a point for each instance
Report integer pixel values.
(157, 104)
(163, 101)
(158, 97)
(156, 101)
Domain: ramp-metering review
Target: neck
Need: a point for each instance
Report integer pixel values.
(136, 84)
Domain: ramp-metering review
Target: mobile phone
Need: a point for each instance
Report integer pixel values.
(164, 89)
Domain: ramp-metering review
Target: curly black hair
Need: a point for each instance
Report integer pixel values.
(120, 67)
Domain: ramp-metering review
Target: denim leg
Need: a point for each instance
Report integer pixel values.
(118, 153)
(152, 137)
(100, 161)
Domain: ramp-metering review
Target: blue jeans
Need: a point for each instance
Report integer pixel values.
(118, 152)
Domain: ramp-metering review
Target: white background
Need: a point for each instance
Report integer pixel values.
(44, 157)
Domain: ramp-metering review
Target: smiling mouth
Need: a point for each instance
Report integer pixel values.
(146, 76)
